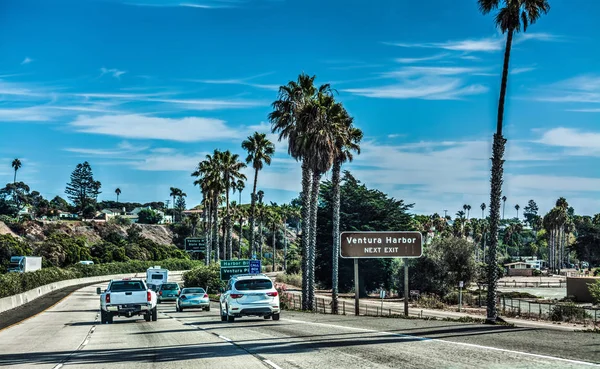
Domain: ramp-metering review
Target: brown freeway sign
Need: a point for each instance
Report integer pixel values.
(381, 244)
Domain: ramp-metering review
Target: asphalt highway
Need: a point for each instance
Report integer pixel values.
(69, 334)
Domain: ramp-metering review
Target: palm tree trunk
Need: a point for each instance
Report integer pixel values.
(314, 194)
(285, 245)
(240, 239)
(207, 230)
(216, 228)
(227, 237)
(252, 213)
(15, 178)
(496, 189)
(260, 239)
(335, 181)
(305, 214)
(274, 247)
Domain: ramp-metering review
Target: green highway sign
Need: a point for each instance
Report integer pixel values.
(195, 244)
(230, 268)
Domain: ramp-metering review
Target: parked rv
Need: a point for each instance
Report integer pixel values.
(24, 264)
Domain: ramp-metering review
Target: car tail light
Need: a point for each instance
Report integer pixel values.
(160, 293)
(272, 294)
(236, 295)
(149, 296)
(107, 298)
(205, 295)
(178, 292)
(183, 297)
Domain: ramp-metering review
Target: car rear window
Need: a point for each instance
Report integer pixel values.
(170, 286)
(127, 286)
(157, 276)
(192, 290)
(253, 284)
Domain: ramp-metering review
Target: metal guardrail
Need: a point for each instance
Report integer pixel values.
(557, 312)
(560, 284)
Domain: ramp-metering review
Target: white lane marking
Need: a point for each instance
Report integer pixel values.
(272, 364)
(58, 366)
(93, 329)
(425, 339)
(85, 342)
(225, 338)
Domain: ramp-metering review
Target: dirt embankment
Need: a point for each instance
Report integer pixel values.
(93, 232)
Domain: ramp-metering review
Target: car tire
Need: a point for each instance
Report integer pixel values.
(276, 316)
(223, 316)
(148, 316)
(154, 314)
(158, 301)
(103, 318)
(230, 318)
(176, 307)
(109, 317)
(180, 309)
(207, 308)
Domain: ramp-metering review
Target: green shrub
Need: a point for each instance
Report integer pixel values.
(208, 277)
(594, 289)
(452, 298)
(567, 312)
(293, 267)
(291, 279)
(430, 301)
(537, 272)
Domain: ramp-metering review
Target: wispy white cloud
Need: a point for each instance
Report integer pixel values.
(521, 70)
(580, 89)
(27, 60)
(240, 81)
(577, 142)
(123, 149)
(189, 129)
(212, 104)
(428, 83)
(203, 4)
(422, 59)
(489, 44)
(113, 72)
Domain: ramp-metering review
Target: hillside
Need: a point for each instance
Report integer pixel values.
(38, 230)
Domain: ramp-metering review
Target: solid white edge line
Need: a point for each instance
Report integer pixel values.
(272, 364)
(425, 339)
(86, 342)
(58, 366)
(225, 338)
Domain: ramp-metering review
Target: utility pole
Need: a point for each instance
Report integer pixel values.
(445, 212)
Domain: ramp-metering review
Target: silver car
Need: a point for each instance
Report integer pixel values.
(193, 298)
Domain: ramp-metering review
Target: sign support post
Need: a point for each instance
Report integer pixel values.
(405, 287)
(356, 288)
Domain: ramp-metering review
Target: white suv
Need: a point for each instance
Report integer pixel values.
(249, 295)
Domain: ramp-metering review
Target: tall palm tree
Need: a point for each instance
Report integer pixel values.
(347, 140)
(286, 212)
(274, 220)
(231, 171)
(239, 187)
(320, 120)
(517, 207)
(16, 165)
(174, 193)
(468, 210)
(118, 192)
(286, 119)
(482, 207)
(514, 15)
(260, 151)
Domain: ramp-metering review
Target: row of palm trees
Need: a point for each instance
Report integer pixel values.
(467, 209)
(320, 134)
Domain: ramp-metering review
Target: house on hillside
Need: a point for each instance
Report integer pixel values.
(520, 268)
(166, 219)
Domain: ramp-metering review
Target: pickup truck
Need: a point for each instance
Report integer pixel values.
(127, 297)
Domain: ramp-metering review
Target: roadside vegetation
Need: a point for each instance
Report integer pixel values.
(15, 283)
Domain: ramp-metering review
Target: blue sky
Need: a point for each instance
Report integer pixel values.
(143, 89)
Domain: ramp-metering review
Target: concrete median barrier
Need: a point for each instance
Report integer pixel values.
(12, 302)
